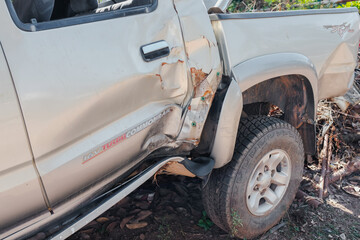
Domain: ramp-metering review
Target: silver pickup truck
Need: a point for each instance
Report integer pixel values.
(96, 98)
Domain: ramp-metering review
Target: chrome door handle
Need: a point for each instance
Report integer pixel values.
(156, 50)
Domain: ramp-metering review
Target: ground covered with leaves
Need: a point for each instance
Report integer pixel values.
(327, 205)
(172, 209)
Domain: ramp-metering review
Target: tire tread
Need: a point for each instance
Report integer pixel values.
(217, 192)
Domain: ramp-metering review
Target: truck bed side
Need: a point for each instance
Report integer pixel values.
(327, 38)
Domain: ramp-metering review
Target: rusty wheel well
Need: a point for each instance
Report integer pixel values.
(293, 94)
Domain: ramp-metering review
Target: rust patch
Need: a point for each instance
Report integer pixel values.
(198, 76)
(203, 90)
(161, 81)
(208, 92)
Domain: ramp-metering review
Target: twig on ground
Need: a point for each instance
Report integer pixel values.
(347, 170)
(312, 201)
(327, 169)
(323, 154)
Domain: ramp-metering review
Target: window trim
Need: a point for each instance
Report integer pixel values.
(77, 20)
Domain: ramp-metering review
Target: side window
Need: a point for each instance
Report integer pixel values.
(112, 5)
(41, 12)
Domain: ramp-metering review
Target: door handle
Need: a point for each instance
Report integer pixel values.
(155, 50)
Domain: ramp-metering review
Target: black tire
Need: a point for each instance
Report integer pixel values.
(225, 197)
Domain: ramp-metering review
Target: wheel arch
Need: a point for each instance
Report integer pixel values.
(260, 69)
(288, 80)
(294, 96)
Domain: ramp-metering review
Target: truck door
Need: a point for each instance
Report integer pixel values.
(99, 90)
(20, 192)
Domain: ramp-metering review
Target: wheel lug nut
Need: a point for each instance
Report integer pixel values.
(266, 168)
(256, 188)
(259, 177)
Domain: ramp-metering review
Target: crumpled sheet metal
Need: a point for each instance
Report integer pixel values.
(199, 107)
(172, 77)
(204, 63)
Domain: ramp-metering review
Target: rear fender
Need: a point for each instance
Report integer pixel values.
(254, 72)
(259, 69)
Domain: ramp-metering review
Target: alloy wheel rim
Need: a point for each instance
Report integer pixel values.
(268, 182)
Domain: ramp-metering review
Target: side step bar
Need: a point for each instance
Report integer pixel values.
(121, 193)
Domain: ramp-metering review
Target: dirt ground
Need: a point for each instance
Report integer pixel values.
(172, 209)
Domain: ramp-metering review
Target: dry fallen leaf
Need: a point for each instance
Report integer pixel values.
(142, 215)
(136, 225)
(125, 221)
(111, 226)
(102, 219)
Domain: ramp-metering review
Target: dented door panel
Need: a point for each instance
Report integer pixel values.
(83, 87)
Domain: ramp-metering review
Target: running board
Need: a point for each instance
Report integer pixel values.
(119, 194)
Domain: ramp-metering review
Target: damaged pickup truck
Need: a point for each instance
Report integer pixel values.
(96, 98)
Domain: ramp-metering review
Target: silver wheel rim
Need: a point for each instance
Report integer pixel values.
(268, 182)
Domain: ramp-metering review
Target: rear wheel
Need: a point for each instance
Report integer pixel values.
(251, 194)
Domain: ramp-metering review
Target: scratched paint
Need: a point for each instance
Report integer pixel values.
(203, 63)
(197, 76)
(199, 108)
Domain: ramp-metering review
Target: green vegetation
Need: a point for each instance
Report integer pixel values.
(236, 222)
(205, 222)
(350, 4)
(355, 232)
(283, 5)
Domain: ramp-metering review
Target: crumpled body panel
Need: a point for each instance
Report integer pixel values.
(204, 64)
